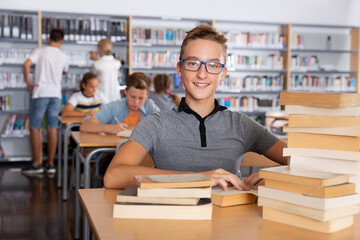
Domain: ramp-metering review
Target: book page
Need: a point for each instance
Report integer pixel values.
(124, 133)
(178, 178)
(231, 191)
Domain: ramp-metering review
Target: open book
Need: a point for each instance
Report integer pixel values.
(124, 133)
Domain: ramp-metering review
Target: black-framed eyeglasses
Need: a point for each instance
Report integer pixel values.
(194, 65)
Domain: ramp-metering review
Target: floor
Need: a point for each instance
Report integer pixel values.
(32, 208)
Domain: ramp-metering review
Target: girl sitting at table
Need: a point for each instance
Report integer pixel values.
(87, 101)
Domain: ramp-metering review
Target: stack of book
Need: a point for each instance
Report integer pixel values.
(319, 201)
(324, 132)
(173, 196)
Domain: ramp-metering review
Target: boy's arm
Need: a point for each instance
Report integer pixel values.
(125, 165)
(69, 111)
(275, 153)
(92, 125)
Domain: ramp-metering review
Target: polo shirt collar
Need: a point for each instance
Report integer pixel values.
(184, 107)
(202, 128)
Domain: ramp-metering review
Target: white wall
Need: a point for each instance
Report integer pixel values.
(334, 12)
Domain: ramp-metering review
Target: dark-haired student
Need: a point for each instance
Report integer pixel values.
(162, 96)
(199, 135)
(50, 64)
(87, 101)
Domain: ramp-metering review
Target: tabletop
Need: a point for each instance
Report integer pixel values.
(95, 139)
(65, 120)
(237, 222)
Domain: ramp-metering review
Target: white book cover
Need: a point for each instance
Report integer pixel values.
(341, 131)
(307, 201)
(322, 153)
(325, 164)
(344, 111)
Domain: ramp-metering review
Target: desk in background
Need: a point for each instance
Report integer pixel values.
(69, 123)
(101, 144)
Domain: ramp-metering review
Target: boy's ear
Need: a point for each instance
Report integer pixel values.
(178, 68)
(223, 74)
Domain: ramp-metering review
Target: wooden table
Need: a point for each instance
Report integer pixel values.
(101, 143)
(238, 222)
(70, 123)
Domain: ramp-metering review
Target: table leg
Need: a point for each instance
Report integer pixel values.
(59, 156)
(77, 186)
(65, 159)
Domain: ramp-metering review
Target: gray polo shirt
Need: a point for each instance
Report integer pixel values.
(181, 140)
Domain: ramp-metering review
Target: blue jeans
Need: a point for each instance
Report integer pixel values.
(41, 106)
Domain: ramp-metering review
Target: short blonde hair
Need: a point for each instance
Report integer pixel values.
(206, 32)
(105, 45)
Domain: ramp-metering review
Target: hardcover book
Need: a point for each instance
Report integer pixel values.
(302, 176)
(232, 196)
(173, 181)
(310, 190)
(129, 195)
(307, 223)
(316, 214)
(308, 201)
(330, 100)
(323, 141)
(344, 111)
(201, 211)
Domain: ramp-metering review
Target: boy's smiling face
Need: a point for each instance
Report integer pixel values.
(201, 85)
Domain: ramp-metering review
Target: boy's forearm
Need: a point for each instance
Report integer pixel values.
(91, 127)
(122, 176)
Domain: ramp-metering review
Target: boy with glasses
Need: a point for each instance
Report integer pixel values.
(199, 135)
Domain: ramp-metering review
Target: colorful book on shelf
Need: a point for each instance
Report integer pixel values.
(325, 164)
(307, 223)
(322, 153)
(312, 190)
(129, 195)
(330, 100)
(324, 121)
(302, 176)
(232, 196)
(201, 211)
(173, 181)
(309, 201)
(342, 131)
(344, 111)
(323, 141)
(308, 212)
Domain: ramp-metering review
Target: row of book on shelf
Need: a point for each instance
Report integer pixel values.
(86, 29)
(165, 36)
(17, 26)
(15, 126)
(256, 40)
(251, 103)
(331, 83)
(271, 62)
(251, 83)
(76, 57)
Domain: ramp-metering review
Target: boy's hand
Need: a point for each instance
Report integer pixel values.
(118, 127)
(31, 86)
(253, 181)
(93, 55)
(225, 179)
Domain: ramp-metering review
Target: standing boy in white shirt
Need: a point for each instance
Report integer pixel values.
(50, 64)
